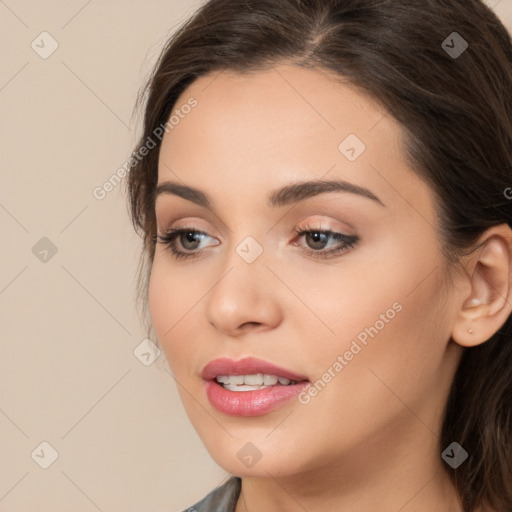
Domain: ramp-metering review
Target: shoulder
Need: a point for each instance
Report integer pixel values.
(221, 499)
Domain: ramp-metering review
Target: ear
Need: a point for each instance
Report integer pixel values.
(489, 304)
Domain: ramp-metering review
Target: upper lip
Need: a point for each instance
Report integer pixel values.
(246, 366)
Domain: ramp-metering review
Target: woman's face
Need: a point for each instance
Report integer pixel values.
(361, 322)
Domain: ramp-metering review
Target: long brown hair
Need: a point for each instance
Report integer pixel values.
(456, 110)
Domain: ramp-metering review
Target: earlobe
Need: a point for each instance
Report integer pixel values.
(489, 303)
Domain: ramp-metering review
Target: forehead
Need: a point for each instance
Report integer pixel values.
(277, 104)
(261, 130)
(285, 114)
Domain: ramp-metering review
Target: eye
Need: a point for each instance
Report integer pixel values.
(189, 238)
(317, 239)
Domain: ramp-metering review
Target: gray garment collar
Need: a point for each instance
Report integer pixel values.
(221, 499)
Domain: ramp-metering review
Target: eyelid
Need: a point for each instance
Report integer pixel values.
(345, 242)
(184, 227)
(311, 225)
(186, 222)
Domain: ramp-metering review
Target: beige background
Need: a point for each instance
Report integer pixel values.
(69, 325)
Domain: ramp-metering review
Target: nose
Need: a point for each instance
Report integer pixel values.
(244, 299)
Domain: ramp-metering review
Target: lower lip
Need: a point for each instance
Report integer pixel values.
(250, 403)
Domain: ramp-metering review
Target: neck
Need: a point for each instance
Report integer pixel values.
(418, 495)
(407, 477)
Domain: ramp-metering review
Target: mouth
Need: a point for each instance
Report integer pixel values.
(249, 387)
(252, 382)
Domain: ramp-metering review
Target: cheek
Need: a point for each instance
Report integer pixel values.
(354, 301)
(402, 357)
(170, 306)
(158, 300)
(399, 363)
(384, 314)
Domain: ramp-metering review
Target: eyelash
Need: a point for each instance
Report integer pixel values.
(349, 241)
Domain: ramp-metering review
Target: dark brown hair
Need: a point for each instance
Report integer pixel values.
(456, 111)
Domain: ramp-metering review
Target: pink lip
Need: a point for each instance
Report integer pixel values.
(249, 403)
(246, 366)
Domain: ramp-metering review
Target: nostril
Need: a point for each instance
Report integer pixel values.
(250, 326)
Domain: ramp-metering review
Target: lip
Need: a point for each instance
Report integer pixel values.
(246, 366)
(249, 403)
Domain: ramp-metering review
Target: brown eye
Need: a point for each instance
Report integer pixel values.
(183, 237)
(317, 240)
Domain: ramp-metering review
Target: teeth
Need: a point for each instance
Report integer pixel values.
(236, 379)
(234, 387)
(269, 380)
(251, 382)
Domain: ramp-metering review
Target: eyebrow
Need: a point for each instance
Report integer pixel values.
(284, 196)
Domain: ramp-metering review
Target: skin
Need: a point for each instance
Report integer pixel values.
(369, 440)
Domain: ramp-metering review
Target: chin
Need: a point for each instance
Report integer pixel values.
(261, 469)
(244, 458)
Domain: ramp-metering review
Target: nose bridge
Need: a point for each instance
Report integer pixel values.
(246, 253)
(243, 273)
(242, 294)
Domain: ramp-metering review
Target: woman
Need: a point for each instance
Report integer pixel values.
(326, 212)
